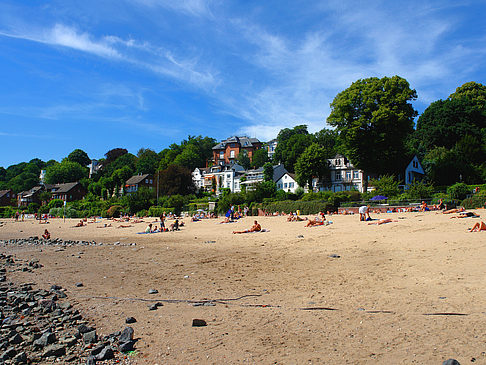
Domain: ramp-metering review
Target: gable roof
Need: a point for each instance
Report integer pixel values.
(4, 192)
(244, 141)
(64, 188)
(278, 172)
(137, 179)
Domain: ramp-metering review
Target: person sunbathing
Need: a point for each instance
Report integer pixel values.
(383, 221)
(46, 235)
(255, 228)
(80, 224)
(314, 222)
(466, 215)
(479, 226)
(455, 210)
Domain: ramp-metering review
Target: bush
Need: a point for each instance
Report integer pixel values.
(7, 212)
(32, 208)
(114, 211)
(477, 201)
(55, 203)
(70, 212)
(305, 207)
(142, 213)
(156, 211)
(419, 190)
(458, 191)
(43, 209)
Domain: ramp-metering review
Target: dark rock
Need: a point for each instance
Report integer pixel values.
(20, 358)
(126, 335)
(451, 362)
(83, 329)
(79, 285)
(54, 350)
(46, 339)
(105, 354)
(56, 287)
(16, 339)
(91, 360)
(47, 306)
(90, 337)
(153, 307)
(8, 354)
(199, 323)
(130, 320)
(126, 346)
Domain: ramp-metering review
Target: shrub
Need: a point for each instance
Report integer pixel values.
(142, 213)
(114, 211)
(43, 209)
(458, 191)
(477, 201)
(419, 190)
(305, 207)
(32, 208)
(7, 212)
(156, 211)
(55, 203)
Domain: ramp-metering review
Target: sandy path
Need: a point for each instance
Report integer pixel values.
(425, 263)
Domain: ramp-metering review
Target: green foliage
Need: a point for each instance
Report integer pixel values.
(176, 180)
(55, 203)
(328, 139)
(474, 202)
(305, 207)
(419, 190)
(291, 144)
(177, 202)
(157, 211)
(143, 198)
(268, 172)
(224, 203)
(7, 212)
(65, 172)
(126, 160)
(33, 208)
(147, 161)
(386, 185)
(191, 153)
(80, 157)
(69, 212)
(312, 163)
(114, 211)
(259, 158)
(374, 117)
(458, 191)
(244, 160)
(266, 189)
(114, 154)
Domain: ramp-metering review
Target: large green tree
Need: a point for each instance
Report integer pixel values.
(259, 158)
(374, 117)
(312, 163)
(176, 180)
(291, 143)
(65, 172)
(147, 161)
(80, 157)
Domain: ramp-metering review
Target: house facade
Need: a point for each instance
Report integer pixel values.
(271, 146)
(134, 183)
(227, 151)
(343, 176)
(26, 197)
(6, 197)
(68, 192)
(413, 172)
(287, 183)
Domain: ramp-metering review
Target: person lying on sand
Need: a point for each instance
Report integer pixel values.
(466, 215)
(255, 228)
(383, 221)
(455, 210)
(479, 226)
(104, 226)
(46, 235)
(314, 222)
(80, 224)
(124, 226)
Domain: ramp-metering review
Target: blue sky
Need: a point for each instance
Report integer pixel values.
(97, 75)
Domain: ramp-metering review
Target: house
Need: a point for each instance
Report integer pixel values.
(286, 181)
(136, 182)
(6, 197)
(218, 176)
(343, 176)
(68, 192)
(24, 198)
(228, 150)
(94, 167)
(413, 172)
(271, 146)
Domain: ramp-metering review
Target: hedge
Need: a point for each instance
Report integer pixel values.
(7, 212)
(305, 207)
(477, 201)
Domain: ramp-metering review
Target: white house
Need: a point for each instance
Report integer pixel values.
(413, 171)
(271, 146)
(343, 176)
(287, 183)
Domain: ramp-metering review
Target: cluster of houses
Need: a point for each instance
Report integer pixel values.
(224, 173)
(227, 173)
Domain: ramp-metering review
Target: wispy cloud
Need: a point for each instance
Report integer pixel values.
(189, 7)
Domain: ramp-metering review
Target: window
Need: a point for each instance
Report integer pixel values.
(285, 185)
(151, 181)
(356, 174)
(338, 162)
(279, 186)
(221, 155)
(348, 175)
(232, 154)
(146, 181)
(338, 175)
(291, 185)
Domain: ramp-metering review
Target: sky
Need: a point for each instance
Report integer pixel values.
(134, 74)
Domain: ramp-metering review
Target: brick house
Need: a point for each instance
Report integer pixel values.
(228, 150)
(68, 192)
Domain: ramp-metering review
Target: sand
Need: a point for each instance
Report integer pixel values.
(387, 288)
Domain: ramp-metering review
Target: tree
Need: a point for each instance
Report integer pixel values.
(259, 158)
(65, 172)
(290, 144)
(374, 117)
(328, 139)
(176, 180)
(244, 160)
(80, 157)
(147, 161)
(312, 163)
(113, 154)
(386, 185)
(268, 172)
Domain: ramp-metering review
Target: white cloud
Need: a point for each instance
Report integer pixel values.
(200, 8)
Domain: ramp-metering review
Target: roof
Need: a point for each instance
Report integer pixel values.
(278, 172)
(137, 179)
(64, 188)
(4, 192)
(244, 141)
(30, 192)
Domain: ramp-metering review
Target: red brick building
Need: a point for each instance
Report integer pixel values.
(228, 150)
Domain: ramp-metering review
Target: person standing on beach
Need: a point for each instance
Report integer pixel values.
(364, 213)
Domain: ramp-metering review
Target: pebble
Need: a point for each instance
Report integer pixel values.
(199, 323)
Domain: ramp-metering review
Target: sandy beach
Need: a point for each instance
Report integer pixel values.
(347, 293)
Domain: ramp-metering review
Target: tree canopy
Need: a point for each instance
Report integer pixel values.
(312, 163)
(290, 145)
(374, 117)
(80, 157)
(65, 172)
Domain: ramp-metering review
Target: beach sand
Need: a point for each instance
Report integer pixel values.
(385, 289)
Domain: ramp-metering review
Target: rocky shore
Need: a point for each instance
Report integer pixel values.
(40, 326)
